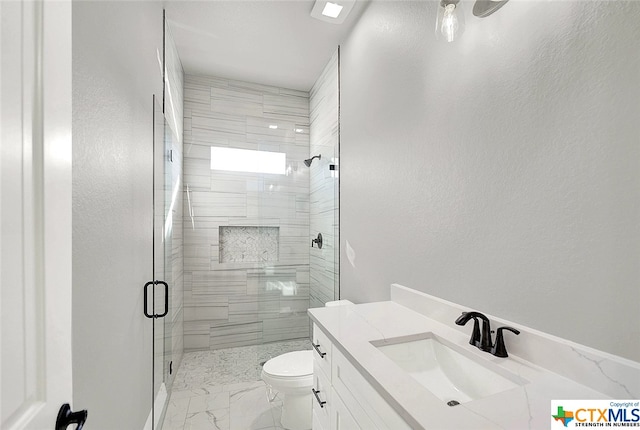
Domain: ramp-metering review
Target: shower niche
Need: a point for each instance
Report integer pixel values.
(248, 244)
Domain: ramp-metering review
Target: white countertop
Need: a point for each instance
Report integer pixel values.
(352, 328)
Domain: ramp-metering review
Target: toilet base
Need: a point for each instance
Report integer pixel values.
(296, 411)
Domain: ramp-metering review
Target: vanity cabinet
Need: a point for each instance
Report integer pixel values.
(350, 402)
(323, 396)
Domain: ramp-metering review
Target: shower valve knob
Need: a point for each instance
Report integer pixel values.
(318, 241)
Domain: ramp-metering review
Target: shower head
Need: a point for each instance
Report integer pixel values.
(308, 161)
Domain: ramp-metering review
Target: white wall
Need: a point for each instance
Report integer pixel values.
(502, 171)
(115, 74)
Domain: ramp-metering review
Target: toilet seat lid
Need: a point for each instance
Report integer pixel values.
(297, 363)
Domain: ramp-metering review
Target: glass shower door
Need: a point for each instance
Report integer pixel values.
(172, 226)
(325, 185)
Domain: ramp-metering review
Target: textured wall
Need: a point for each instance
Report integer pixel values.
(502, 171)
(115, 74)
(323, 263)
(230, 304)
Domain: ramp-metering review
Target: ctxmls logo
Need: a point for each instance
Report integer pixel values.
(595, 413)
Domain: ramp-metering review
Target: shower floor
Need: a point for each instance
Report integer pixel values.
(222, 389)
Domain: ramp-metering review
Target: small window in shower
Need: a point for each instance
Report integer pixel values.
(248, 244)
(246, 160)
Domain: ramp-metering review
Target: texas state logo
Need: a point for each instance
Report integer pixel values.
(595, 413)
(565, 417)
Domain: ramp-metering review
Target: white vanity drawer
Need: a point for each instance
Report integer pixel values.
(322, 393)
(368, 407)
(323, 350)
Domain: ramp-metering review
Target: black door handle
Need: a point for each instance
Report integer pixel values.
(316, 393)
(146, 301)
(317, 348)
(166, 299)
(66, 418)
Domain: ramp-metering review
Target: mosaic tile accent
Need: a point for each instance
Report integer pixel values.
(222, 389)
(243, 244)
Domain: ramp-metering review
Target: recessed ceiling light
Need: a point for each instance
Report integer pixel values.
(332, 10)
(299, 130)
(273, 127)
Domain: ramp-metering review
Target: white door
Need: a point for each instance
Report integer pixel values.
(35, 212)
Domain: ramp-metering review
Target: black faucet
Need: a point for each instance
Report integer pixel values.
(475, 334)
(499, 350)
(484, 340)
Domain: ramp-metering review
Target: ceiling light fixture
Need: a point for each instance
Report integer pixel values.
(332, 10)
(484, 8)
(450, 21)
(335, 11)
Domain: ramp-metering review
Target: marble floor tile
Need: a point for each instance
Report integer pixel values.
(254, 400)
(222, 389)
(176, 414)
(209, 402)
(208, 420)
(276, 411)
(238, 386)
(194, 392)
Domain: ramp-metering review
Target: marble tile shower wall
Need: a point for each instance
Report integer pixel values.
(237, 303)
(324, 207)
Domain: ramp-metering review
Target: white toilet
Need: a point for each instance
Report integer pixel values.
(292, 375)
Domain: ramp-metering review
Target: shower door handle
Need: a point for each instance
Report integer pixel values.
(146, 299)
(166, 299)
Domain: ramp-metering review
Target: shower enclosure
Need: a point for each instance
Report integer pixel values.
(249, 210)
(252, 208)
(236, 211)
(165, 292)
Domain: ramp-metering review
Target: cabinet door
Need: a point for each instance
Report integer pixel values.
(321, 398)
(341, 418)
(364, 402)
(317, 423)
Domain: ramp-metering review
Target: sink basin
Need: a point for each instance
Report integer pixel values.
(448, 371)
